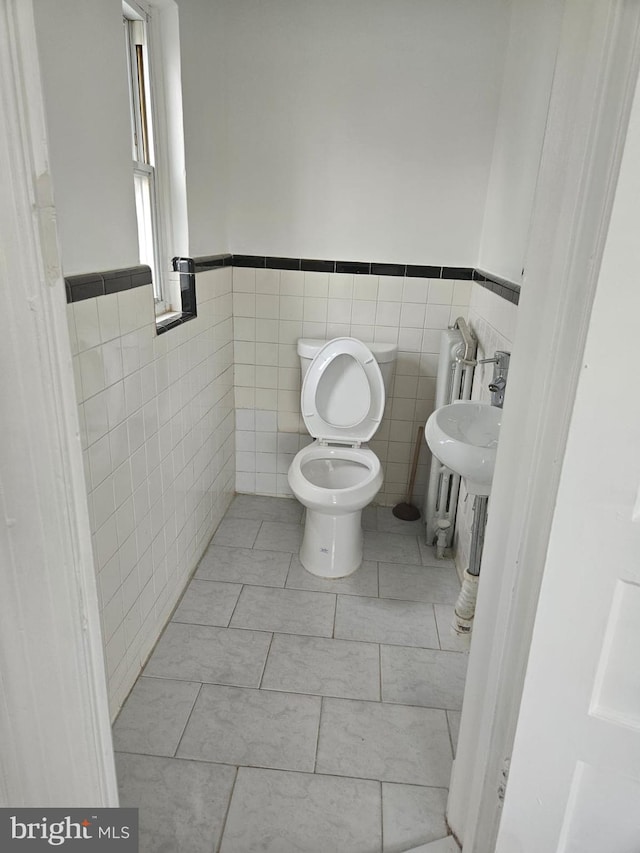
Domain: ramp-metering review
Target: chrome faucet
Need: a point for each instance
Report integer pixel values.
(498, 384)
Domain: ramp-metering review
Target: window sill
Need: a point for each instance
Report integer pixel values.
(169, 321)
(167, 315)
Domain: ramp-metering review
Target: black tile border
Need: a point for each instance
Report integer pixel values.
(256, 261)
(419, 271)
(351, 267)
(459, 273)
(90, 285)
(283, 263)
(500, 286)
(388, 269)
(211, 262)
(506, 289)
(311, 265)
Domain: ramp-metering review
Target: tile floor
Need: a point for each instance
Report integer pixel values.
(280, 712)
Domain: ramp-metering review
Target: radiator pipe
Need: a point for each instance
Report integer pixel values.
(465, 608)
(470, 343)
(442, 537)
(456, 364)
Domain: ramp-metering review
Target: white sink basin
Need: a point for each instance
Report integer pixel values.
(464, 437)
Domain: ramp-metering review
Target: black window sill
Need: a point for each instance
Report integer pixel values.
(173, 321)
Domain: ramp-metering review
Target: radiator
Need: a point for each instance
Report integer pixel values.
(453, 383)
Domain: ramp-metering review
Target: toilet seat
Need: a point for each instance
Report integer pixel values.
(343, 393)
(337, 496)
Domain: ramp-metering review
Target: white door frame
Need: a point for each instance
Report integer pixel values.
(594, 81)
(55, 735)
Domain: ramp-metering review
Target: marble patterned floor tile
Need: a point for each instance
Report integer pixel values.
(208, 603)
(259, 728)
(209, 654)
(244, 565)
(318, 695)
(411, 815)
(182, 804)
(391, 548)
(364, 581)
(323, 667)
(449, 639)
(287, 611)
(442, 845)
(454, 728)
(391, 743)
(386, 620)
(261, 508)
(283, 812)
(388, 523)
(428, 555)
(419, 583)
(236, 532)
(369, 518)
(427, 677)
(275, 536)
(153, 718)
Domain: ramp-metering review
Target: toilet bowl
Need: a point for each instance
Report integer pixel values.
(343, 395)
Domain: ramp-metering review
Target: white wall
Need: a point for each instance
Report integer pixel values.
(86, 103)
(84, 80)
(204, 97)
(362, 130)
(528, 74)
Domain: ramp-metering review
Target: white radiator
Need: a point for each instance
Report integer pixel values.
(453, 383)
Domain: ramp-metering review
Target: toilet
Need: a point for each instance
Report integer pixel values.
(335, 477)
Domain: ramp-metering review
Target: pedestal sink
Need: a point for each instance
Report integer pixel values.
(464, 437)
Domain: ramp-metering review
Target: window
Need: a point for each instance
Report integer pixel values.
(152, 39)
(136, 21)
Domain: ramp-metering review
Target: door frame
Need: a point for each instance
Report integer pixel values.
(55, 733)
(594, 82)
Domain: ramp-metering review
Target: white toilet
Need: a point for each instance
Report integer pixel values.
(335, 477)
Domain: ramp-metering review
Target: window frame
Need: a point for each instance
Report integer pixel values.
(143, 115)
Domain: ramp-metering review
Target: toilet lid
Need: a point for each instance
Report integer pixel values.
(343, 393)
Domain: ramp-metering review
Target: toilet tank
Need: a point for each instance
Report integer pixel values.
(384, 354)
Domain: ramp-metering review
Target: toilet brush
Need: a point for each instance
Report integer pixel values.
(406, 511)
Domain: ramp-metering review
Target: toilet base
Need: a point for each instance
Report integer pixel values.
(332, 544)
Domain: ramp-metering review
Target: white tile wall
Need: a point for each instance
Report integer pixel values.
(273, 308)
(157, 431)
(494, 322)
